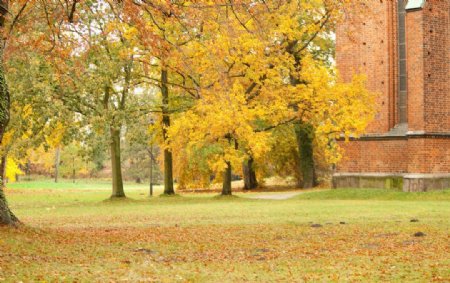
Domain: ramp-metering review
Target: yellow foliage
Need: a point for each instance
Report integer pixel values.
(247, 69)
(55, 137)
(12, 170)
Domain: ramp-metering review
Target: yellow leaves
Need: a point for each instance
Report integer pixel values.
(12, 169)
(27, 111)
(8, 138)
(246, 72)
(123, 38)
(42, 157)
(130, 33)
(56, 135)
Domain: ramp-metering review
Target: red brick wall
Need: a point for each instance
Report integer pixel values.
(412, 155)
(437, 65)
(430, 155)
(363, 46)
(374, 156)
(415, 70)
(367, 44)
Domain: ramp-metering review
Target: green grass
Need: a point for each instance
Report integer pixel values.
(375, 194)
(83, 184)
(73, 234)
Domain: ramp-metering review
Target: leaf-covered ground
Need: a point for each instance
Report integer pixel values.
(73, 235)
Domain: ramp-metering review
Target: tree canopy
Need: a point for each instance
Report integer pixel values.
(218, 85)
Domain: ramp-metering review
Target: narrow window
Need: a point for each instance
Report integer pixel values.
(402, 77)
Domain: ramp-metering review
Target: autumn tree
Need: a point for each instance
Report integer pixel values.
(259, 70)
(166, 31)
(17, 23)
(6, 216)
(93, 59)
(6, 26)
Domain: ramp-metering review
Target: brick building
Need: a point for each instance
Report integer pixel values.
(404, 48)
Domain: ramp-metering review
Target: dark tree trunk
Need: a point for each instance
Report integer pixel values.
(28, 169)
(226, 188)
(250, 181)
(305, 136)
(168, 162)
(116, 165)
(6, 216)
(57, 161)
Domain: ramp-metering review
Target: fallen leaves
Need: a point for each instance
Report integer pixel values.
(335, 251)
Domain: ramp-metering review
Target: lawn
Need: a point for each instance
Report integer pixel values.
(73, 234)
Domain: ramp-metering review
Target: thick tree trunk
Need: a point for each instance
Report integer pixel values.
(304, 135)
(226, 188)
(6, 216)
(57, 161)
(116, 165)
(250, 181)
(168, 173)
(168, 160)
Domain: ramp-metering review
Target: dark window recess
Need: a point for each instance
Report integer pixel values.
(402, 99)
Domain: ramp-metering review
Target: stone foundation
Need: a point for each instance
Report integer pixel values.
(405, 182)
(425, 182)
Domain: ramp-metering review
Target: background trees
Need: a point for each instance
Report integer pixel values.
(220, 87)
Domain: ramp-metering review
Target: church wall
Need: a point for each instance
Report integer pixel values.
(366, 44)
(429, 155)
(437, 65)
(374, 156)
(364, 47)
(415, 70)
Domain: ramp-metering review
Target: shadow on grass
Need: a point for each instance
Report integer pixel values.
(226, 197)
(162, 199)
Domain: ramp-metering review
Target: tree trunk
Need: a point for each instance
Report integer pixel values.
(57, 161)
(116, 165)
(151, 170)
(28, 169)
(250, 181)
(304, 135)
(226, 188)
(6, 216)
(168, 160)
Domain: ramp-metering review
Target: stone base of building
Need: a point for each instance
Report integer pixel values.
(405, 182)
